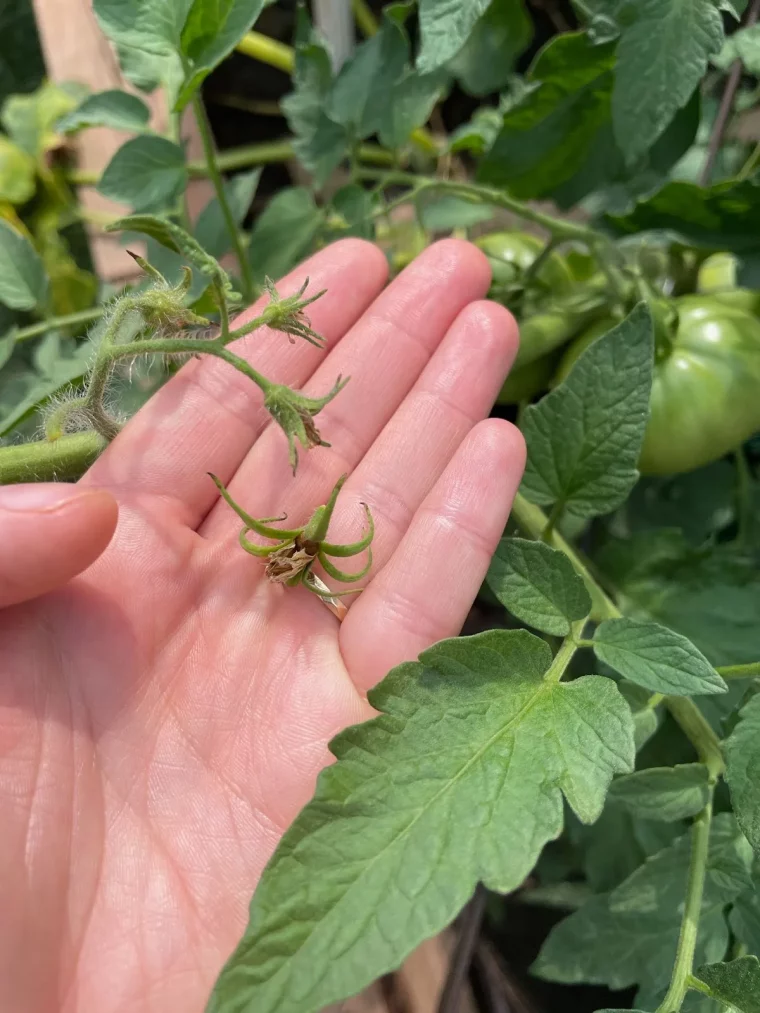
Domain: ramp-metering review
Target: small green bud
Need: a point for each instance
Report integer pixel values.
(287, 314)
(295, 412)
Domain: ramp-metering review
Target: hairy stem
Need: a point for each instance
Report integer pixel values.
(558, 227)
(246, 277)
(687, 938)
(61, 460)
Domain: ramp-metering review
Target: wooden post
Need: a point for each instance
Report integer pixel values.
(75, 49)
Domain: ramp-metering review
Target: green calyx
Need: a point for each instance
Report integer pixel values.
(295, 412)
(290, 560)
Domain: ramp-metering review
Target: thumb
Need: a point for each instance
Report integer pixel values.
(50, 532)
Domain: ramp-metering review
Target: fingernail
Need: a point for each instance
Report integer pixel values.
(41, 497)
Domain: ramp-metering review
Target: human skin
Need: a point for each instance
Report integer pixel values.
(164, 710)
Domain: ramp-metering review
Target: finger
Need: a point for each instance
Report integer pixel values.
(456, 390)
(383, 354)
(207, 416)
(48, 534)
(424, 592)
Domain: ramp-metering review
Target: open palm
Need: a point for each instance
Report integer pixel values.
(164, 715)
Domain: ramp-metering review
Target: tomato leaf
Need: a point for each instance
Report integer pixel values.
(737, 983)
(445, 26)
(283, 233)
(442, 790)
(147, 38)
(743, 771)
(409, 105)
(147, 173)
(711, 596)
(113, 108)
(23, 281)
(548, 135)
(662, 56)
(663, 793)
(486, 61)
(212, 30)
(319, 141)
(655, 657)
(629, 936)
(744, 918)
(18, 173)
(725, 216)
(359, 97)
(31, 120)
(538, 585)
(585, 436)
(743, 45)
(43, 386)
(174, 238)
(211, 229)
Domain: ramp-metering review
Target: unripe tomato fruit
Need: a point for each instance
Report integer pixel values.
(512, 253)
(706, 388)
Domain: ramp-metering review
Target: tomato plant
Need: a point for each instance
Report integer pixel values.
(597, 746)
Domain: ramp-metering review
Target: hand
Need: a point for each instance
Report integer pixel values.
(163, 716)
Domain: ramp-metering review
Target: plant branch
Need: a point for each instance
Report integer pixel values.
(59, 460)
(364, 18)
(241, 158)
(689, 717)
(270, 51)
(726, 105)
(246, 278)
(53, 323)
(558, 227)
(698, 731)
(687, 938)
(750, 671)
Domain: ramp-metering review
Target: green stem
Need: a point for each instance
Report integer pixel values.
(564, 655)
(699, 732)
(687, 938)
(246, 276)
(554, 519)
(558, 227)
(69, 320)
(743, 495)
(698, 986)
(749, 671)
(60, 460)
(270, 51)
(750, 165)
(532, 520)
(247, 155)
(365, 19)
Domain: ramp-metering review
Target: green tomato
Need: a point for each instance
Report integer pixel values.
(524, 382)
(512, 253)
(717, 273)
(706, 387)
